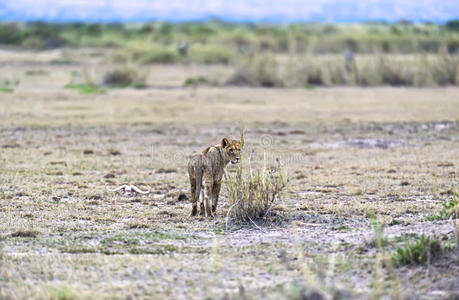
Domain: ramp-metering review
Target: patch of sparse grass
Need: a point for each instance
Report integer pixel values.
(4, 89)
(61, 61)
(36, 73)
(156, 55)
(25, 233)
(450, 209)
(84, 88)
(162, 249)
(132, 238)
(61, 293)
(138, 225)
(74, 249)
(6, 86)
(418, 251)
(166, 249)
(449, 247)
(197, 81)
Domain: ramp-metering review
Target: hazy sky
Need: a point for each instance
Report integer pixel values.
(238, 10)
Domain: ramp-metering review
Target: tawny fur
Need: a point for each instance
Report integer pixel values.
(206, 170)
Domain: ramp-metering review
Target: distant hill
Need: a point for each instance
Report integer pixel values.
(234, 10)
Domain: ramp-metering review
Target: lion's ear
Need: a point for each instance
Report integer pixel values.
(225, 142)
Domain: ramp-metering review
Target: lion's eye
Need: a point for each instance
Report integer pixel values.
(231, 150)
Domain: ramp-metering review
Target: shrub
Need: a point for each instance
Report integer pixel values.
(257, 71)
(452, 46)
(444, 70)
(156, 55)
(10, 34)
(452, 25)
(210, 54)
(253, 197)
(93, 29)
(393, 73)
(33, 42)
(196, 81)
(125, 76)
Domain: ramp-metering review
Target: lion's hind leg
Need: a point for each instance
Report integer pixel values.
(195, 184)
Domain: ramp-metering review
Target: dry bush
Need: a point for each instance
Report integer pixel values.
(156, 55)
(210, 54)
(260, 70)
(123, 76)
(253, 197)
(445, 70)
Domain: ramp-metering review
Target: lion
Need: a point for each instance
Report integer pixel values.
(206, 170)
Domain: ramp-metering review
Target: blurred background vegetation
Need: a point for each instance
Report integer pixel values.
(269, 55)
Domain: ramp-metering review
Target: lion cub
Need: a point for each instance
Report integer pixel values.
(206, 171)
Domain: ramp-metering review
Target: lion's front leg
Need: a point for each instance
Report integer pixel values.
(208, 185)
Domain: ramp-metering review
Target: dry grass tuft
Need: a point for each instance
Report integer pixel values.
(253, 197)
(260, 70)
(25, 233)
(136, 224)
(124, 76)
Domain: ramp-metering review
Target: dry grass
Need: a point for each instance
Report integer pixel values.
(362, 70)
(253, 196)
(125, 76)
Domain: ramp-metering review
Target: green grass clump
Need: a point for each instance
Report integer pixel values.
(85, 88)
(36, 73)
(61, 293)
(5, 89)
(163, 249)
(418, 251)
(197, 81)
(450, 209)
(7, 86)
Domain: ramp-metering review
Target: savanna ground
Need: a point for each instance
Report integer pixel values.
(365, 165)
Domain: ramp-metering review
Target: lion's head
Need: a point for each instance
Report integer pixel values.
(232, 149)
